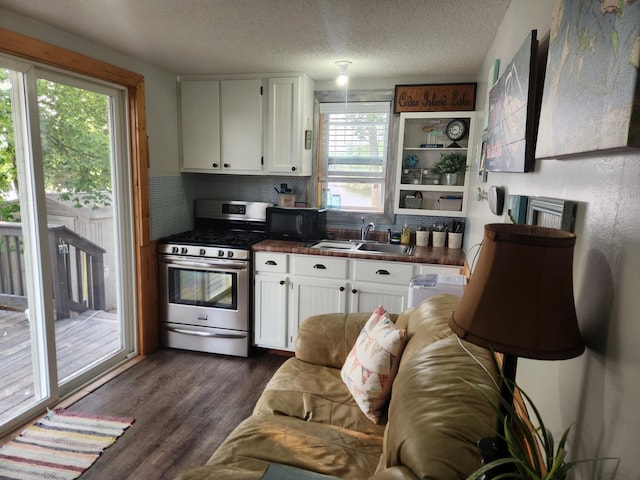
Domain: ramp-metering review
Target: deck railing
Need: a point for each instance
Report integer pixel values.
(77, 270)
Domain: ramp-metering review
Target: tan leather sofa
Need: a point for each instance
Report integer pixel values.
(306, 417)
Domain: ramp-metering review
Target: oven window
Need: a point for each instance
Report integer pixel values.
(203, 288)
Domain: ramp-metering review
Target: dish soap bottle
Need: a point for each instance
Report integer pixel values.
(405, 238)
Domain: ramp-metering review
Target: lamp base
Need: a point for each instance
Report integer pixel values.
(490, 451)
(496, 448)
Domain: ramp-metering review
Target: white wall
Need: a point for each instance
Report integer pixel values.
(600, 390)
(160, 88)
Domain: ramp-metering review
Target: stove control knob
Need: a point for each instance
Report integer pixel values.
(221, 253)
(175, 249)
(203, 251)
(229, 254)
(184, 250)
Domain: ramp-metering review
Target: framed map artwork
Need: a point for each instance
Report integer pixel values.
(591, 99)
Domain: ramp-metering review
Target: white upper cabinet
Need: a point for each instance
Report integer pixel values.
(251, 125)
(241, 125)
(200, 125)
(290, 110)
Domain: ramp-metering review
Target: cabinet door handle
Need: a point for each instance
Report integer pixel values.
(354, 291)
(214, 165)
(226, 165)
(270, 262)
(342, 289)
(319, 266)
(281, 282)
(382, 272)
(293, 169)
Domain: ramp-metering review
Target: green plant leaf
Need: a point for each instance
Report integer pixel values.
(492, 466)
(519, 444)
(451, 162)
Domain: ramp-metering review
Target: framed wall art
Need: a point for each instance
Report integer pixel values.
(591, 99)
(492, 78)
(482, 159)
(512, 112)
(552, 213)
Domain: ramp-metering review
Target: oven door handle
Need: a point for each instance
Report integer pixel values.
(217, 265)
(207, 334)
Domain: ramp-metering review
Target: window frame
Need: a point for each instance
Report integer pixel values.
(351, 217)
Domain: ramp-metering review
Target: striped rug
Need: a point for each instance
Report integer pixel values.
(60, 446)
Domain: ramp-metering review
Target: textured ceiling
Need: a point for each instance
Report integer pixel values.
(382, 38)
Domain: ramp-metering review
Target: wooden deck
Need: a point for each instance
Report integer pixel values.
(81, 341)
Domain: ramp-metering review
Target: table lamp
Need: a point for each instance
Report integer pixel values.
(519, 301)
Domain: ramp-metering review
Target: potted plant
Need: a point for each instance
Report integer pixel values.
(449, 165)
(533, 454)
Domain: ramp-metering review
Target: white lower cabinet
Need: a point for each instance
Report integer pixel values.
(366, 297)
(290, 289)
(271, 288)
(380, 283)
(318, 285)
(313, 296)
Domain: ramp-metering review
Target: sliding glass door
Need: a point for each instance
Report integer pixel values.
(65, 236)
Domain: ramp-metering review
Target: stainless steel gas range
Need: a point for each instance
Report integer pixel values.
(205, 278)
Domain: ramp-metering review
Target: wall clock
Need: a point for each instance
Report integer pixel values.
(456, 130)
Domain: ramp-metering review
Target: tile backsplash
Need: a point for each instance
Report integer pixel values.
(171, 200)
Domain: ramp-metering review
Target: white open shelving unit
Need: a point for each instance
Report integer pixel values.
(423, 134)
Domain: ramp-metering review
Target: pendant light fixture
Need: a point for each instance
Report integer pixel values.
(343, 77)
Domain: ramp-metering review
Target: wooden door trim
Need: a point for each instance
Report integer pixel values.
(29, 48)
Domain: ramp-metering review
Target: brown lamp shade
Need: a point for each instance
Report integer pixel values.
(519, 299)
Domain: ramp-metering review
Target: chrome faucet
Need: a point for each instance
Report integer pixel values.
(364, 229)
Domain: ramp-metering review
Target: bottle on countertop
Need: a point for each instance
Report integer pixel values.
(405, 238)
(326, 198)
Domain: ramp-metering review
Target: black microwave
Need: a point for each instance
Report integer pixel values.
(296, 223)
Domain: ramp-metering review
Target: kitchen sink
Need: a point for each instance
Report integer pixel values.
(355, 246)
(342, 245)
(388, 248)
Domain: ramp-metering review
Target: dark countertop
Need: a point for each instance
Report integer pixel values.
(434, 255)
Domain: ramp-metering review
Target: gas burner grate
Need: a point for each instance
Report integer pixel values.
(215, 238)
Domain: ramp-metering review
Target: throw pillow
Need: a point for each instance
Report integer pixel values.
(370, 367)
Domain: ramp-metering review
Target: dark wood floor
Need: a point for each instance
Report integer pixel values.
(185, 404)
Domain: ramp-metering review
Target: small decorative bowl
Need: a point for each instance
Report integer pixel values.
(411, 161)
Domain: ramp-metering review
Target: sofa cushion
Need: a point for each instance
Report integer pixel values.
(313, 393)
(371, 365)
(434, 412)
(262, 439)
(428, 322)
(327, 339)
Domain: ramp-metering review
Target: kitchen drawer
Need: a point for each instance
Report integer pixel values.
(271, 262)
(325, 267)
(396, 273)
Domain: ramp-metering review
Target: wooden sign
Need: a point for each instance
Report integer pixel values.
(441, 97)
